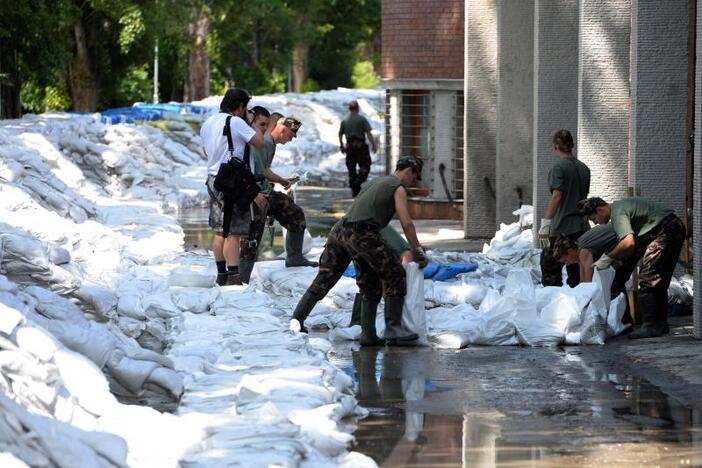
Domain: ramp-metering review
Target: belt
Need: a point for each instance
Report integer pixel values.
(361, 225)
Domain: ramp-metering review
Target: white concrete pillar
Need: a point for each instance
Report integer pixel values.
(394, 131)
(697, 187)
(659, 55)
(480, 100)
(603, 94)
(555, 88)
(515, 104)
(443, 125)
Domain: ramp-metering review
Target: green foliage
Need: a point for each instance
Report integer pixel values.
(249, 44)
(309, 85)
(364, 75)
(136, 85)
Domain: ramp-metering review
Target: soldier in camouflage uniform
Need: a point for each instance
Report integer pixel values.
(649, 231)
(281, 207)
(569, 182)
(356, 128)
(357, 237)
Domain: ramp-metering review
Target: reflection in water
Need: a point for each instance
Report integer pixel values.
(642, 424)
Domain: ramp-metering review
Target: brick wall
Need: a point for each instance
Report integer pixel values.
(422, 39)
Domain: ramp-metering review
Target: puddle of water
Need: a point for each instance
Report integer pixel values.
(641, 424)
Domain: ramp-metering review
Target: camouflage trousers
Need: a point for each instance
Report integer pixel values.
(379, 271)
(283, 209)
(551, 268)
(357, 154)
(660, 249)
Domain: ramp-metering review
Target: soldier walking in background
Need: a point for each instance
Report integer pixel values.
(356, 128)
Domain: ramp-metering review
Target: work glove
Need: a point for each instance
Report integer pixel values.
(420, 257)
(544, 231)
(604, 262)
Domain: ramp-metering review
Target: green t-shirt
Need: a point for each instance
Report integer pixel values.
(599, 240)
(376, 201)
(636, 215)
(263, 158)
(354, 125)
(394, 240)
(572, 177)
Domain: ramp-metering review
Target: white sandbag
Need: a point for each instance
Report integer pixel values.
(345, 334)
(617, 309)
(450, 340)
(414, 316)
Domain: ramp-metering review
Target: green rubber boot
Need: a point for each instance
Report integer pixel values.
(651, 326)
(356, 311)
(293, 251)
(369, 337)
(245, 269)
(397, 334)
(303, 310)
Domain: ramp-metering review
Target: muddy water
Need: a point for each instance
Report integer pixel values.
(513, 407)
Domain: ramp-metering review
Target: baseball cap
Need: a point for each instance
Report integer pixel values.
(409, 161)
(292, 123)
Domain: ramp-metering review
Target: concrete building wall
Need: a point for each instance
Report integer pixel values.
(515, 104)
(697, 187)
(659, 100)
(555, 87)
(422, 41)
(480, 94)
(603, 94)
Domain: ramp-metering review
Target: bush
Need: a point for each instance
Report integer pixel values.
(136, 85)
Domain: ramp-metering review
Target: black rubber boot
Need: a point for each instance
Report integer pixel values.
(222, 279)
(651, 326)
(662, 302)
(303, 309)
(245, 269)
(369, 337)
(397, 334)
(293, 250)
(356, 311)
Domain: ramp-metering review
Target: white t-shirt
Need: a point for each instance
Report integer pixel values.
(215, 143)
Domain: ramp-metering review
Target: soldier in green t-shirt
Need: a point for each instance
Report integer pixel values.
(647, 230)
(589, 248)
(280, 206)
(356, 128)
(569, 182)
(357, 238)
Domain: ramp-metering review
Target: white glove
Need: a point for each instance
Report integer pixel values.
(545, 228)
(604, 262)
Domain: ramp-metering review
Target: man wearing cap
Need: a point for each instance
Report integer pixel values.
(645, 229)
(216, 147)
(588, 249)
(280, 206)
(357, 237)
(356, 128)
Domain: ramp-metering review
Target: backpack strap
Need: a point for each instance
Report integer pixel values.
(227, 132)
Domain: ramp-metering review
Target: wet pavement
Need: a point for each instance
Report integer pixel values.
(514, 406)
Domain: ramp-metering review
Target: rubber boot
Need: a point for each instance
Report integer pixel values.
(651, 326)
(222, 279)
(662, 301)
(265, 252)
(245, 269)
(293, 251)
(303, 309)
(356, 311)
(233, 279)
(369, 311)
(397, 334)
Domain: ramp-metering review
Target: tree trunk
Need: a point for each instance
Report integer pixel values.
(198, 82)
(10, 105)
(82, 79)
(300, 56)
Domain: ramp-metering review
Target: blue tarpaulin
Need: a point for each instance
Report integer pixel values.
(433, 271)
(143, 112)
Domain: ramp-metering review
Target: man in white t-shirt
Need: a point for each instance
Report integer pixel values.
(216, 148)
